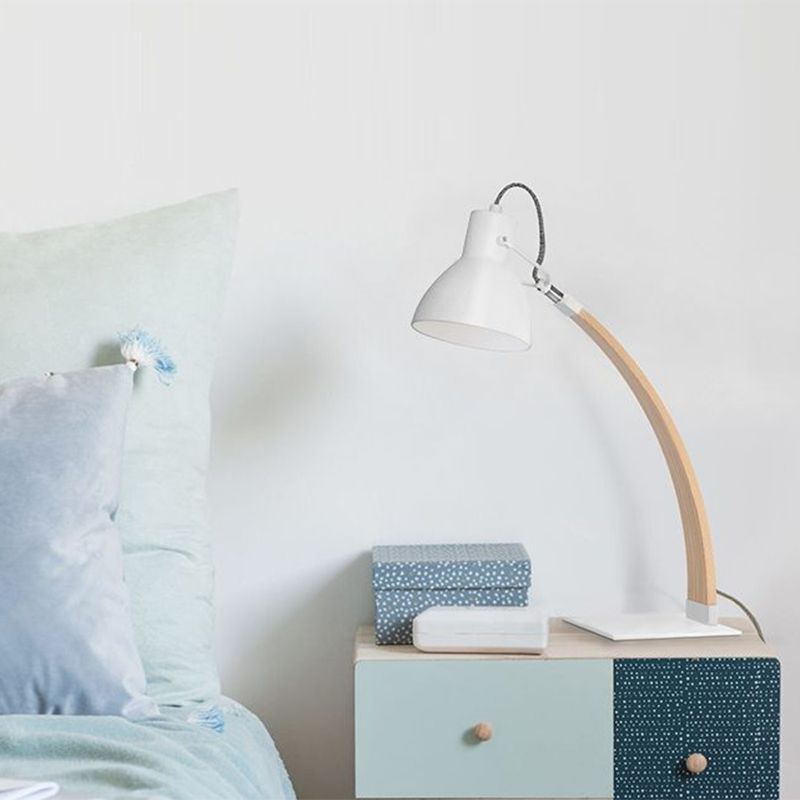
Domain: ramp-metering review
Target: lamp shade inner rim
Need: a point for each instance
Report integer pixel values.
(466, 335)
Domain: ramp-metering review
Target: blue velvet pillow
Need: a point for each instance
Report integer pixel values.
(66, 636)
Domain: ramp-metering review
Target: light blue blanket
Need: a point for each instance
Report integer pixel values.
(219, 752)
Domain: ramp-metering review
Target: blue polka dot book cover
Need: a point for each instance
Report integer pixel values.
(407, 579)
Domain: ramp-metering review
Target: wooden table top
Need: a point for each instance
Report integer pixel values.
(568, 641)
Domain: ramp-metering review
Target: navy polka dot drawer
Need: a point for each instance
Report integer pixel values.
(407, 579)
(696, 729)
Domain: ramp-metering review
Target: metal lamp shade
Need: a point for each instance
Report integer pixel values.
(478, 302)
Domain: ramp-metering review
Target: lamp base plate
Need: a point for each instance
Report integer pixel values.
(633, 627)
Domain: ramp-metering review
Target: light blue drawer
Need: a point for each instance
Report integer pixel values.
(552, 721)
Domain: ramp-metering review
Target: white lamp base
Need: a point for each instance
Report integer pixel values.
(631, 627)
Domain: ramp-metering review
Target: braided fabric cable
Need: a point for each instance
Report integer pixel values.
(539, 214)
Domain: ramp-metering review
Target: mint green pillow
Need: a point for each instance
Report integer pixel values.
(61, 292)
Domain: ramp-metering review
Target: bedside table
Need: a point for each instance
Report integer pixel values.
(680, 719)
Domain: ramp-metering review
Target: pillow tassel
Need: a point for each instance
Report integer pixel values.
(209, 716)
(140, 349)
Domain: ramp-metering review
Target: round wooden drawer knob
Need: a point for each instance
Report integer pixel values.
(696, 763)
(483, 731)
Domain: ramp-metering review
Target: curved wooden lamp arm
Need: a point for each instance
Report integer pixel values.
(701, 577)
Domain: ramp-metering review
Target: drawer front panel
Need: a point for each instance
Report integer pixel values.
(552, 728)
(726, 709)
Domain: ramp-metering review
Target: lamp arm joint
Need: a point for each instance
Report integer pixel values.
(541, 278)
(541, 281)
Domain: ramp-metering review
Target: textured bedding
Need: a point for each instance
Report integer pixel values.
(221, 752)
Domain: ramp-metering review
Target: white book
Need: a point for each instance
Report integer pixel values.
(481, 629)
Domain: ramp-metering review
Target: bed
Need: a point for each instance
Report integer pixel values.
(165, 269)
(220, 751)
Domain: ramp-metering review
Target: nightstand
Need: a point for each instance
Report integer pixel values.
(680, 719)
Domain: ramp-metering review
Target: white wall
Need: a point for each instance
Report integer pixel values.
(663, 140)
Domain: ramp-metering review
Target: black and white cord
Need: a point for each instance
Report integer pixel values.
(539, 214)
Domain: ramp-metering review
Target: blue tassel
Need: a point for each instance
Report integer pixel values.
(140, 349)
(210, 717)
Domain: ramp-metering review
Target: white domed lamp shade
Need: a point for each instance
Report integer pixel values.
(478, 302)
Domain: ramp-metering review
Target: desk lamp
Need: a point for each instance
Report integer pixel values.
(480, 302)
